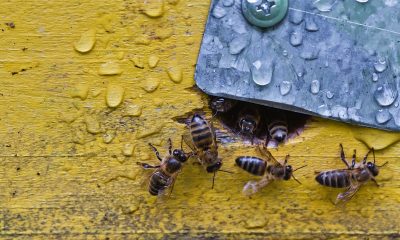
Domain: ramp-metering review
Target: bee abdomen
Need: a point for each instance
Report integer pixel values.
(158, 183)
(253, 165)
(335, 178)
(201, 132)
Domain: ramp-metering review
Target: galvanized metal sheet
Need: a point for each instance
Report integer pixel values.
(337, 59)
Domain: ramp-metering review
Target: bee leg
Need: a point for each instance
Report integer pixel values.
(169, 146)
(366, 155)
(343, 157)
(155, 151)
(353, 161)
(147, 166)
(376, 183)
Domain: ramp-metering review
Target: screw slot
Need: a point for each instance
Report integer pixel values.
(264, 13)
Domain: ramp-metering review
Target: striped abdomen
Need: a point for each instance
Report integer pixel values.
(158, 183)
(253, 165)
(278, 130)
(202, 133)
(334, 178)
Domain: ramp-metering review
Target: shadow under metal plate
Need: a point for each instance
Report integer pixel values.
(337, 59)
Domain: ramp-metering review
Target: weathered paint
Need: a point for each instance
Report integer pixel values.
(68, 161)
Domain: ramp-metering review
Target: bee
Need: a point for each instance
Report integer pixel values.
(165, 174)
(270, 168)
(351, 178)
(249, 121)
(222, 105)
(202, 140)
(278, 127)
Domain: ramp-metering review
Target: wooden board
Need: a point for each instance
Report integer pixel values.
(64, 167)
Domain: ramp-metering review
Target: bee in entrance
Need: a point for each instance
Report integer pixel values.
(165, 174)
(277, 126)
(249, 121)
(351, 178)
(270, 168)
(202, 140)
(222, 105)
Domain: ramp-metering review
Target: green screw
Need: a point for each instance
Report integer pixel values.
(264, 13)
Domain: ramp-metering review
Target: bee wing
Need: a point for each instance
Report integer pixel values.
(270, 159)
(349, 193)
(187, 138)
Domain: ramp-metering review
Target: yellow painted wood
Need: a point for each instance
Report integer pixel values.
(68, 160)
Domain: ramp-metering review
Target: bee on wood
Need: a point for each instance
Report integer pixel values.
(277, 126)
(165, 174)
(222, 105)
(270, 168)
(202, 140)
(351, 178)
(249, 121)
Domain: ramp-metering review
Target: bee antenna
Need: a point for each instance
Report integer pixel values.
(296, 179)
(373, 153)
(225, 171)
(299, 168)
(383, 164)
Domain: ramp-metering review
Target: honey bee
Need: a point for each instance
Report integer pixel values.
(278, 127)
(202, 140)
(249, 121)
(165, 174)
(352, 178)
(222, 105)
(270, 168)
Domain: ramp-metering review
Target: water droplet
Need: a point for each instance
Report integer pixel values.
(153, 61)
(133, 110)
(380, 65)
(309, 53)
(86, 42)
(228, 3)
(175, 74)
(109, 68)
(219, 12)
(285, 87)
(262, 72)
(238, 44)
(92, 125)
(108, 137)
(324, 5)
(137, 62)
(114, 95)
(340, 112)
(150, 84)
(329, 94)
(383, 116)
(318, 211)
(385, 95)
(324, 110)
(128, 149)
(311, 26)
(255, 222)
(375, 138)
(296, 39)
(285, 53)
(296, 17)
(148, 131)
(80, 91)
(362, 1)
(375, 77)
(154, 8)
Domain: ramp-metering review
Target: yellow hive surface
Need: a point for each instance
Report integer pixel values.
(85, 86)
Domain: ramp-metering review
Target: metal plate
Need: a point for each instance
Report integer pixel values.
(335, 59)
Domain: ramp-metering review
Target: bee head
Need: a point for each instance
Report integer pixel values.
(280, 136)
(215, 167)
(373, 168)
(180, 155)
(247, 125)
(288, 172)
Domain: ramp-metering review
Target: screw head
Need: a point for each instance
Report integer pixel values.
(264, 13)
